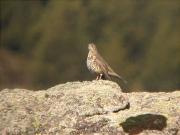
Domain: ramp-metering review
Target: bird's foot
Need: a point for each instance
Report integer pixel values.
(97, 78)
(100, 76)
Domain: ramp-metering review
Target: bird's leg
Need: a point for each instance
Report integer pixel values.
(97, 78)
(100, 76)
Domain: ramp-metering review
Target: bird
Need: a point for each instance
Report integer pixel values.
(97, 65)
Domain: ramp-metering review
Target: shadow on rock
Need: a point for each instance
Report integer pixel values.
(135, 125)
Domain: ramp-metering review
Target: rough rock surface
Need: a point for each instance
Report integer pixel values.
(87, 108)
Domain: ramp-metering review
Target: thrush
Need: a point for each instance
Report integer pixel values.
(96, 64)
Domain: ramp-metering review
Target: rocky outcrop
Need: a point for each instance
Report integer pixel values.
(89, 107)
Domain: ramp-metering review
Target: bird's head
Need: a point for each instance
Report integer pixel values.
(92, 47)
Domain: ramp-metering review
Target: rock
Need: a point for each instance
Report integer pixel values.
(88, 107)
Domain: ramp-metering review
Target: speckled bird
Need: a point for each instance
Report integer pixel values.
(96, 64)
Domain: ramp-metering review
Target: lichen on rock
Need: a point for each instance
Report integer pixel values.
(88, 107)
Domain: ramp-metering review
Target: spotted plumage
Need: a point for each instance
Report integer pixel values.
(96, 64)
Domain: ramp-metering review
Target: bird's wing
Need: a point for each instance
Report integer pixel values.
(103, 67)
(108, 69)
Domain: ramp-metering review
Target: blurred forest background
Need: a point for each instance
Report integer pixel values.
(44, 42)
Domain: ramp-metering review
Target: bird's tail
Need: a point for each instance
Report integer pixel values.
(118, 76)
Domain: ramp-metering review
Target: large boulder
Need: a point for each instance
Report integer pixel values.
(88, 107)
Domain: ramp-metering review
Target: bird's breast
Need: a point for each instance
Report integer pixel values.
(92, 65)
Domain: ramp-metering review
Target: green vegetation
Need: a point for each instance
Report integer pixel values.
(45, 42)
